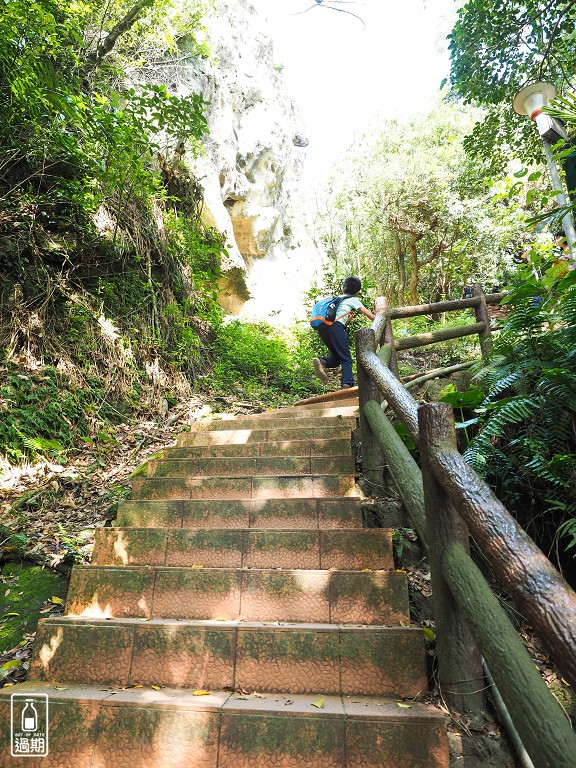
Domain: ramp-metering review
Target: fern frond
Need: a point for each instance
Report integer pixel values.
(477, 456)
(501, 385)
(540, 467)
(510, 411)
(568, 528)
(42, 445)
(559, 384)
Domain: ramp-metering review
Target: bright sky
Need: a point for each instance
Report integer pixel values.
(341, 74)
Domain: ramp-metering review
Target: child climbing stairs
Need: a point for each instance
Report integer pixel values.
(238, 615)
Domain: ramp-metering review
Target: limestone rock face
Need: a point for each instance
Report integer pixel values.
(251, 165)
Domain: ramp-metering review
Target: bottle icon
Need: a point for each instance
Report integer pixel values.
(29, 717)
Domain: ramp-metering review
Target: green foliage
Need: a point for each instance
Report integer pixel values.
(105, 267)
(496, 49)
(405, 435)
(52, 121)
(70, 144)
(24, 590)
(254, 357)
(568, 528)
(75, 545)
(42, 414)
(418, 217)
(526, 446)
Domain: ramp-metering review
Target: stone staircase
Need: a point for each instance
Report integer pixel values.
(238, 615)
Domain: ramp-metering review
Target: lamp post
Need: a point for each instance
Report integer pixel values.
(530, 101)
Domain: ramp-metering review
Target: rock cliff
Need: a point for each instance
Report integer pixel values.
(251, 166)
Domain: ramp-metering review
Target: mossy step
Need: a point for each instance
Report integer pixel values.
(296, 421)
(234, 487)
(303, 658)
(323, 513)
(245, 548)
(326, 447)
(242, 466)
(169, 728)
(227, 435)
(329, 597)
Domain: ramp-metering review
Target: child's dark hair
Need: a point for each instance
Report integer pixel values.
(352, 285)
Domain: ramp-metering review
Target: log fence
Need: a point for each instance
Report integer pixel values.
(447, 502)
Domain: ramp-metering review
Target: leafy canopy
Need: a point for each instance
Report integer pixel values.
(415, 214)
(495, 49)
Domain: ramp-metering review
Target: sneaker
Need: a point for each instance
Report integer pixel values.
(319, 370)
(347, 386)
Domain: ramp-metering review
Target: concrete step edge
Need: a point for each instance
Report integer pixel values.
(381, 708)
(299, 548)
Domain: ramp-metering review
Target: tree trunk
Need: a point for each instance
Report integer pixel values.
(401, 256)
(415, 266)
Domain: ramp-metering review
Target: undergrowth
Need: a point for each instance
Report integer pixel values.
(42, 413)
(519, 415)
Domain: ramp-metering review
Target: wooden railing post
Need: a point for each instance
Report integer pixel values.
(372, 455)
(481, 313)
(383, 305)
(460, 673)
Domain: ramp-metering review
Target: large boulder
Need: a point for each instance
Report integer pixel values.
(251, 166)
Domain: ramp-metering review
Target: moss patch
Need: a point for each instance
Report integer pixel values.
(30, 587)
(303, 646)
(279, 736)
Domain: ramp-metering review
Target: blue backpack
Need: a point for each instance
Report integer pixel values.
(324, 312)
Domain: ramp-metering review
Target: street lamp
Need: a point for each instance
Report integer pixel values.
(530, 101)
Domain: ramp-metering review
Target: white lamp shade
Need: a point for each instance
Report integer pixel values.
(533, 97)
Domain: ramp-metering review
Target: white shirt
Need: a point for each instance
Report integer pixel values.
(347, 306)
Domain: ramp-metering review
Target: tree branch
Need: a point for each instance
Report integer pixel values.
(553, 35)
(106, 45)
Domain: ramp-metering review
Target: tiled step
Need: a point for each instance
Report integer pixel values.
(327, 597)
(230, 487)
(296, 658)
(343, 396)
(296, 421)
(170, 728)
(263, 433)
(327, 411)
(344, 402)
(335, 447)
(245, 548)
(268, 513)
(242, 466)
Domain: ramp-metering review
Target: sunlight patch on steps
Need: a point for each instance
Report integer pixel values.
(48, 651)
(121, 548)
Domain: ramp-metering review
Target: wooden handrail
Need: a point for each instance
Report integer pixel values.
(437, 308)
(542, 595)
(545, 730)
(406, 474)
(382, 323)
(402, 313)
(441, 504)
(401, 400)
(379, 325)
(444, 334)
